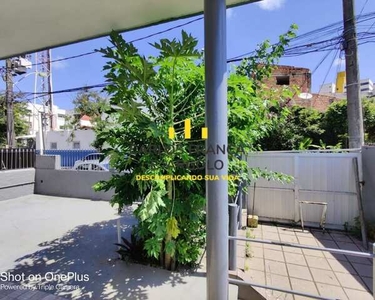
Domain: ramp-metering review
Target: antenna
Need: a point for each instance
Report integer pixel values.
(43, 84)
(305, 96)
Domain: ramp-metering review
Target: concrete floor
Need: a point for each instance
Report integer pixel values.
(50, 235)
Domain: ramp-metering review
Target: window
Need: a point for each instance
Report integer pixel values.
(283, 80)
(84, 167)
(96, 167)
(93, 157)
(90, 167)
(76, 145)
(53, 146)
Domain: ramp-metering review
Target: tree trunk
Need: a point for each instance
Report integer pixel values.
(161, 255)
(167, 257)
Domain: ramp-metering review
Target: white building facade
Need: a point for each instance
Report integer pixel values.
(59, 137)
(66, 140)
(366, 89)
(59, 118)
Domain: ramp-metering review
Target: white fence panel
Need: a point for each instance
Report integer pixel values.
(318, 176)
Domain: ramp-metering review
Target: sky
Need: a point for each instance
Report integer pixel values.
(247, 26)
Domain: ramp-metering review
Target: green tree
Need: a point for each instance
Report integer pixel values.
(301, 127)
(20, 111)
(369, 119)
(335, 122)
(151, 95)
(89, 103)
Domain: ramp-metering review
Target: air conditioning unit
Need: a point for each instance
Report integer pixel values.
(21, 65)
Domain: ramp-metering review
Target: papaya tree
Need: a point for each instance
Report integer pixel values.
(148, 97)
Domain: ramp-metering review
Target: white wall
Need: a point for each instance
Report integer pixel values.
(368, 159)
(67, 183)
(319, 176)
(64, 140)
(33, 119)
(16, 183)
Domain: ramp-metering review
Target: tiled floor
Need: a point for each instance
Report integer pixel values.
(315, 272)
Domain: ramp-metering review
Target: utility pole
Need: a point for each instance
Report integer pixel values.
(354, 105)
(11, 141)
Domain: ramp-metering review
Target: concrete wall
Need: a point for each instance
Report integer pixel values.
(49, 180)
(16, 183)
(368, 191)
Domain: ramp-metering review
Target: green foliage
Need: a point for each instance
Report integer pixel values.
(89, 103)
(297, 131)
(369, 119)
(249, 235)
(132, 250)
(307, 128)
(335, 122)
(356, 229)
(20, 111)
(149, 95)
(254, 111)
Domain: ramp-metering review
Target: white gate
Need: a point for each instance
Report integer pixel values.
(324, 176)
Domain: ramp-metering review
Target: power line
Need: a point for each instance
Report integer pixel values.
(132, 41)
(329, 69)
(312, 73)
(327, 45)
(321, 46)
(371, 27)
(289, 53)
(364, 5)
(102, 85)
(318, 32)
(70, 90)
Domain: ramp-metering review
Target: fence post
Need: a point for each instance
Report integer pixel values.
(239, 214)
(233, 227)
(296, 189)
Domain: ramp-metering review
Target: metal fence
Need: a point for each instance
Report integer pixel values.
(17, 158)
(324, 176)
(69, 157)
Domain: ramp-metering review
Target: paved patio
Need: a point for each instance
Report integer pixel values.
(42, 234)
(314, 272)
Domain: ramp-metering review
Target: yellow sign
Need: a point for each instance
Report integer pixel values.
(341, 82)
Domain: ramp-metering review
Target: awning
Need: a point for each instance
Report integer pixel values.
(28, 26)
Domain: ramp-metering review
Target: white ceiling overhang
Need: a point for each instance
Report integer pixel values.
(28, 26)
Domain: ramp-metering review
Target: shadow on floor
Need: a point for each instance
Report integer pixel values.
(88, 254)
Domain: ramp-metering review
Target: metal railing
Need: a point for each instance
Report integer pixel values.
(69, 157)
(17, 158)
(331, 250)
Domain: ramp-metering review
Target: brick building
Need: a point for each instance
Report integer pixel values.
(319, 102)
(300, 78)
(290, 76)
